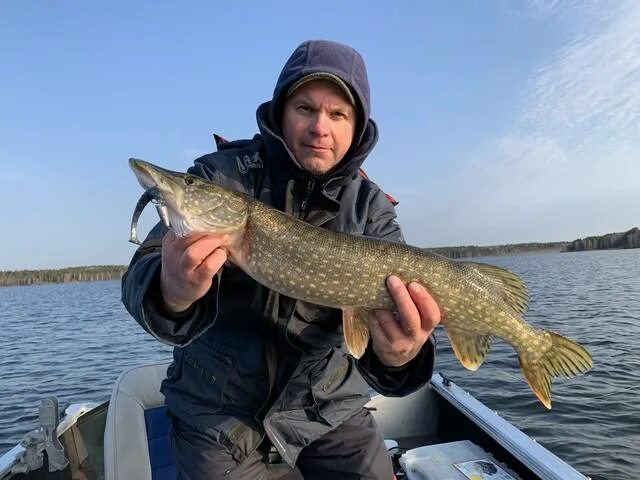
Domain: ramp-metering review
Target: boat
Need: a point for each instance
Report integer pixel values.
(440, 432)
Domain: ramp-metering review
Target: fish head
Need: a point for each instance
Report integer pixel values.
(188, 203)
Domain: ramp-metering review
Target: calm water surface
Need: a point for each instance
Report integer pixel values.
(73, 340)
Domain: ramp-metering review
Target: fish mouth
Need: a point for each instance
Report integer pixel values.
(153, 177)
(163, 188)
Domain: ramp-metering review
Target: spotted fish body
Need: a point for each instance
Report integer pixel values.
(478, 301)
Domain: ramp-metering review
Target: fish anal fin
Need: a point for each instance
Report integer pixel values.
(540, 383)
(356, 330)
(511, 287)
(564, 358)
(470, 350)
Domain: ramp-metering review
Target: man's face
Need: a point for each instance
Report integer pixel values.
(318, 124)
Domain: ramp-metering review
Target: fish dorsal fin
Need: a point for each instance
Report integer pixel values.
(356, 330)
(469, 349)
(510, 286)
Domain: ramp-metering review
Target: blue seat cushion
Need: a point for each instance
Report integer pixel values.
(157, 424)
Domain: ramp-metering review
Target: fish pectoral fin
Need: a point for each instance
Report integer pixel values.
(470, 350)
(565, 358)
(511, 287)
(355, 329)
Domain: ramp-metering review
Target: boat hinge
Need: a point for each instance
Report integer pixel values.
(44, 439)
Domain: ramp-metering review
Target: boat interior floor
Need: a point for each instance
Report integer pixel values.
(278, 470)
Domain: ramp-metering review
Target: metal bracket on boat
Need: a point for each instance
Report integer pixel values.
(445, 381)
(44, 439)
(31, 458)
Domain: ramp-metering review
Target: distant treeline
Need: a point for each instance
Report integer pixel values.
(628, 239)
(64, 275)
(496, 250)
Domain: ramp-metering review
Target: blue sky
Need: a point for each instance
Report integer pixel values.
(501, 121)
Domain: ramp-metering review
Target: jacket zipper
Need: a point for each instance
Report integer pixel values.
(304, 205)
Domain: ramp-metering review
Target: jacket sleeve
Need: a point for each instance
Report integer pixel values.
(142, 298)
(398, 381)
(393, 381)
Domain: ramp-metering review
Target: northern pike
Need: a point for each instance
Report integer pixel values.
(477, 301)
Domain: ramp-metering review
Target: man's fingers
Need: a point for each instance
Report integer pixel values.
(172, 239)
(385, 322)
(426, 305)
(397, 339)
(408, 314)
(198, 251)
(193, 257)
(377, 334)
(210, 265)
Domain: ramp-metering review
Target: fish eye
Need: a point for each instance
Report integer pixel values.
(189, 180)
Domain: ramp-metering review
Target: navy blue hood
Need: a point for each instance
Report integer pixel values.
(323, 56)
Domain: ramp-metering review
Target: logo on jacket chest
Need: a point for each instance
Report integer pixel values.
(247, 162)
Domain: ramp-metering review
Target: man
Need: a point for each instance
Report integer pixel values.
(253, 368)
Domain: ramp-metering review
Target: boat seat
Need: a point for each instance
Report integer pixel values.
(136, 442)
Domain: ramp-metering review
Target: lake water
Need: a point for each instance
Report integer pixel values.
(72, 340)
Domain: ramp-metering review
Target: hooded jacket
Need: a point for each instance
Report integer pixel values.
(249, 361)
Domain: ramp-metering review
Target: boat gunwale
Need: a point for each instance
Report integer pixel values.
(524, 448)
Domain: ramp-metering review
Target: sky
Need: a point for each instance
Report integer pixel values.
(501, 121)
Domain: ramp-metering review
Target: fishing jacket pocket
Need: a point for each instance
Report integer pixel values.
(337, 393)
(197, 381)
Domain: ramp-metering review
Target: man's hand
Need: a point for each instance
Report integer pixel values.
(188, 267)
(397, 338)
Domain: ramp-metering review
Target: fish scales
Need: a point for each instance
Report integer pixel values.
(321, 266)
(478, 302)
(313, 264)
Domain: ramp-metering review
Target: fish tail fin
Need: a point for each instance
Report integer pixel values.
(355, 329)
(564, 358)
